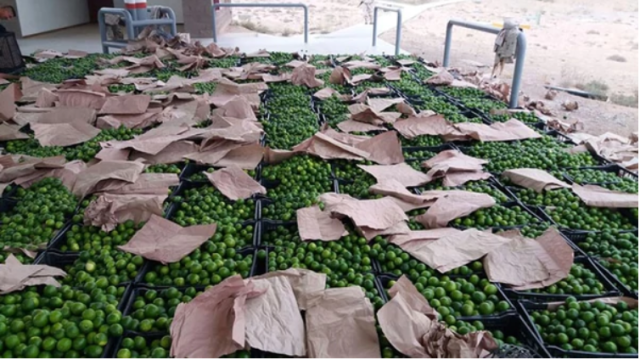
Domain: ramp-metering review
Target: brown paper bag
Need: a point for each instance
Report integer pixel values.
(234, 183)
(315, 224)
(535, 179)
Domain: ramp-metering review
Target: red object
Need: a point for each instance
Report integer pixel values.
(217, 2)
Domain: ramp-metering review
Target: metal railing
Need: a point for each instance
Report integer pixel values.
(268, 5)
(521, 50)
(131, 25)
(398, 26)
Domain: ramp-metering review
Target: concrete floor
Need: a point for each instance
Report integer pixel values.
(353, 40)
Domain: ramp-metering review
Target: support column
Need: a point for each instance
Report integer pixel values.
(130, 5)
(141, 9)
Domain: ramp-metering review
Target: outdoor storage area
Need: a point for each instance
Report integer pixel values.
(187, 201)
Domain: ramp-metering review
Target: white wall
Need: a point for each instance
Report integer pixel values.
(176, 5)
(37, 16)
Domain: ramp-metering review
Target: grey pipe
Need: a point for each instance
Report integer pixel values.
(269, 5)
(131, 25)
(398, 26)
(521, 50)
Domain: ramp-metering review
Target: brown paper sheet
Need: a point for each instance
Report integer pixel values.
(303, 282)
(212, 324)
(273, 320)
(166, 242)
(234, 183)
(350, 126)
(401, 173)
(412, 327)
(315, 224)
(7, 102)
(305, 75)
(81, 98)
(444, 77)
(423, 125)
(109, 210)
(510, 130)
(597, 196)
(172, 154)
(15, 276)
(452, 205)
(333, 313)
(535, 179)
(394, 188)
(126, 105)
(457, 249)
(384, 149)
(11, 132)
(398, 229)
(378, 214)
(530, 264)
(64, 134)
(126, 171)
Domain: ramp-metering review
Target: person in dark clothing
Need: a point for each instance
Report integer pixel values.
(6, 13)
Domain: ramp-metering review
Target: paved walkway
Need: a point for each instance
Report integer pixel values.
(352, 40)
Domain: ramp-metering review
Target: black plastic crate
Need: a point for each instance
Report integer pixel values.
(611, 168)
(187, 185)
(192, 168)
(609, 289)
(433, 149)
(7, 204)
(60, 260)
(385, 278)
(150, 265)
(254, 354)
(515, 325)
(512, 204)
(526, 307)
(626, 290)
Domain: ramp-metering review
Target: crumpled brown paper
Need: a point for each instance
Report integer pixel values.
(411, 326)
(11, 132)
(64, 134)
(127, 171)
(402, 173)
(378, 214)
(394, 188)
(315, 224)
(305, 75)
(234, 183)
(126, 105)
(166, 242)
(597, 196)
(452, 205)
(499, 131)
(334, 313)
(147, 183)
(457, 249)
(455, 168)
(433, 124)
(350, 126)
(535, 179)
(109, 210)
(212, 324)
(444, 77)
(273, 320)
(15, 276)
(7, 102)
(525, 263)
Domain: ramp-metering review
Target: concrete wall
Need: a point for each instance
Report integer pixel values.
(37, 16)
(176, 5)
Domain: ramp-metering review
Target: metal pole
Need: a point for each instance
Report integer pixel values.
(521, 50)
(269, 5)
(398, 26)
(141, 10)
(103, 27)
(375, 26)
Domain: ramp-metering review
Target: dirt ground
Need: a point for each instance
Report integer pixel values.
(587, 44)
(325, 16)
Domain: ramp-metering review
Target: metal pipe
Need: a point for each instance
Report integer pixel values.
(398, 26)
(521, 51)
(270, 5)
(103, 27)
(141, 10)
